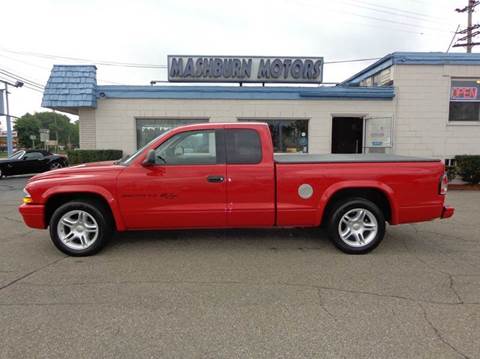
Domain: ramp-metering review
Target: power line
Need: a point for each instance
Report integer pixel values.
(31, 85)
(392, 11)
(48, 68)
(98, 62)
(21, 78)
(401, 23)
(354, 60)
(38, 82)
(414, 13)
(24, 85)
(165, 66)
(24, 62)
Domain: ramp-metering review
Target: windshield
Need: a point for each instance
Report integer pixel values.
(17, 155)
(128, 159)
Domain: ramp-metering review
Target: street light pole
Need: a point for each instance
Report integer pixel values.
(9, 122)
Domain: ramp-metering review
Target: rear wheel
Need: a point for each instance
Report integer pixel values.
(80, 228)
(1, 173)
(356, 226)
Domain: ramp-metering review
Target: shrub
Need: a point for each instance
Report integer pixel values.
(468, 167)
(83, 156)
(451, 172)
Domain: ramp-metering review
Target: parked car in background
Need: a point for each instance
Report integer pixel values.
(31, 161)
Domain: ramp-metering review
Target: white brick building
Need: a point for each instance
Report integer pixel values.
(422, 104)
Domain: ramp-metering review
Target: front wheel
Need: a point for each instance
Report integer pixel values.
(80, 228)
(356, 226)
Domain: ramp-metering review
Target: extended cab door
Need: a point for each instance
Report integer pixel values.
(250, 176)
(186, 188)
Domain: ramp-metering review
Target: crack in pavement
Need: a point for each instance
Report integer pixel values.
(443, 235)
(12, 219)
(260, 284)
(452, 287)
(30, 273)
(449, 275)
(22, 234)
(439, 335)
(58, 303)
(323, 306)
(8, 187)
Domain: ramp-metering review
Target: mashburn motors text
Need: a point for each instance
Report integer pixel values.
(253, 69)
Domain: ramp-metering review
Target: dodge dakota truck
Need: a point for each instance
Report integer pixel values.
(221, 175)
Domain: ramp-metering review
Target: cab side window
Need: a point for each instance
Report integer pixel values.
(33, 156)
(243, 146)
(188, 148)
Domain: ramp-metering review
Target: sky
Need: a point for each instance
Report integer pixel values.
(39, 33)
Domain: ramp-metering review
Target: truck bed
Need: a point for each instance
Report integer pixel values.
(346, 158)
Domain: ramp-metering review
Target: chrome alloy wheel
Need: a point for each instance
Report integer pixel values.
(358, 227)
(55, 165)
(77, 229)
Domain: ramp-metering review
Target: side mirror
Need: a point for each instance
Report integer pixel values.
(149, 159)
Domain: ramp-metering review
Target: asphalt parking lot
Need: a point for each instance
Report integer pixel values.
(245, 294)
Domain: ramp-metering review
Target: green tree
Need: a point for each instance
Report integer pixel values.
(26, 126)
(60, 126)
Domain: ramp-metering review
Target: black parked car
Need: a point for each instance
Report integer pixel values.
(31, 161)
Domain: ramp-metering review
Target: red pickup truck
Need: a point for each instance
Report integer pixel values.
(226, 175)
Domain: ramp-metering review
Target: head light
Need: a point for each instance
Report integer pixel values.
(27, 198)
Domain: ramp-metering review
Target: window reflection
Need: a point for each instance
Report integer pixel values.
(288, 136)
(150, 128)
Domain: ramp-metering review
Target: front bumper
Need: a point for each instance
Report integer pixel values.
(447, 212)
(33, 215)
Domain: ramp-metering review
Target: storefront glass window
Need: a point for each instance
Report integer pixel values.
(149, 128)
(290, 136)
(464, 111)
(465, 100)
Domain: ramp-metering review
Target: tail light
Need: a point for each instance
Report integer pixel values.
(443, 186)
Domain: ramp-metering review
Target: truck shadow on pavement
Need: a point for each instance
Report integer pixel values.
(273, 239)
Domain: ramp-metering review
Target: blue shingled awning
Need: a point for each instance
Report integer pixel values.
(71, 87)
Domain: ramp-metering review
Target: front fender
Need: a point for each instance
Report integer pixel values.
(94, 189)
(338, 186)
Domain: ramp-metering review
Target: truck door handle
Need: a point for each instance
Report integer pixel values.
(215, 179)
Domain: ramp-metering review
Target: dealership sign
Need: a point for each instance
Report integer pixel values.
(245, 69)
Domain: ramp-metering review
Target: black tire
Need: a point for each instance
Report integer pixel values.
(98, 212)
(340, 210)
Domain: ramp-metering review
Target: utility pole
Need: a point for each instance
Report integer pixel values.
(470, 34)
(469, 28)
